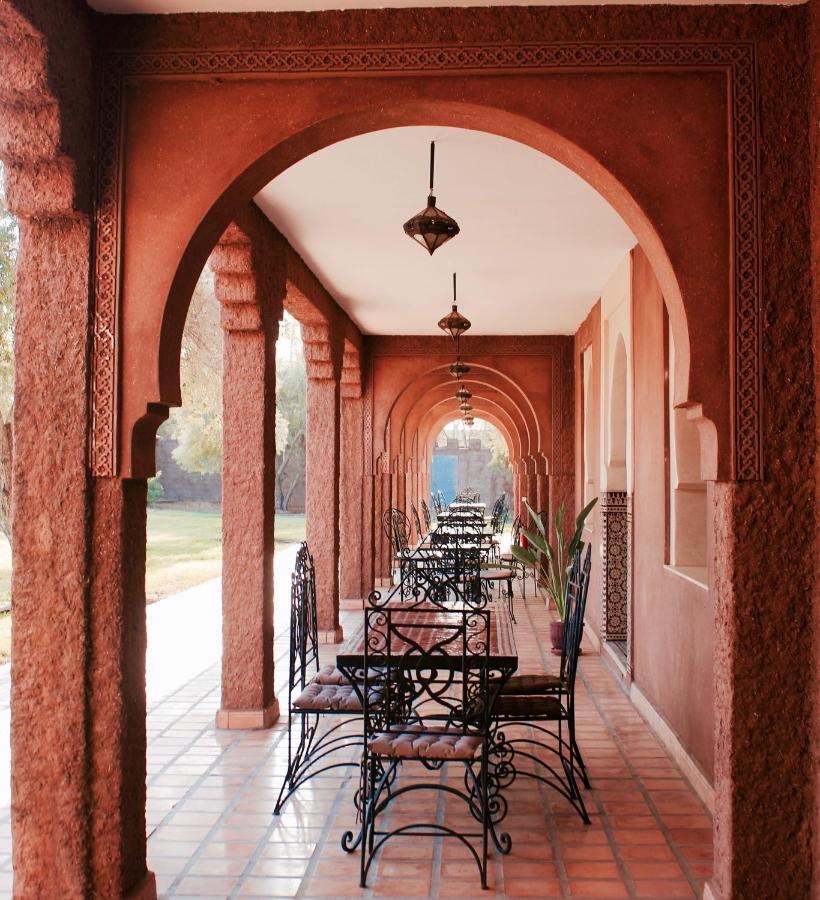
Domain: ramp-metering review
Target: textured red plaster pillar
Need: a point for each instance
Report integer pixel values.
(384, 551)
(762, 675)
(116, 682)
(323, 360)
(542, 490)
(250, 312)
(531, 487)
(351, 506)
(78, 685)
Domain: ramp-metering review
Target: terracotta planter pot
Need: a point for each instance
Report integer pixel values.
(557, 636)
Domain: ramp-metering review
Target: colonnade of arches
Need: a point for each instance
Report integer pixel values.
(412, 408)
(79, 535)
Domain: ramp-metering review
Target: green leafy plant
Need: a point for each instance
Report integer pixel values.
(155, 489)
(552, 564)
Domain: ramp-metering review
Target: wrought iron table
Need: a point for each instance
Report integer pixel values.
(502, 661)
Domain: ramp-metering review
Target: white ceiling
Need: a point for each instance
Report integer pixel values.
(537, 243)
(187, 6)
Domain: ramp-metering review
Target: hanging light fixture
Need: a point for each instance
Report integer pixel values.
(465, 407)
(432, 227)
(457, 369)
(454, 323)
(468, 421)
(463, 394)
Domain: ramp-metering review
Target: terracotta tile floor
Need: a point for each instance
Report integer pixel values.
(211, 832)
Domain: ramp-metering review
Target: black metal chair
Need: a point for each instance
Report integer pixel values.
(508, 560)
(314, 692)
(546, 703)
(425, 511)
(396, 527)
(500, 575)
(435, 710)
(417, 522)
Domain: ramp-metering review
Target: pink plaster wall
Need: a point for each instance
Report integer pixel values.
(672, 617)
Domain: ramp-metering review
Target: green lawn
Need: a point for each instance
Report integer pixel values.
(185, 547)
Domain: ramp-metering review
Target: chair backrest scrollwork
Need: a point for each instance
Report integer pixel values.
(304, 640)
(434, 668)
(397, 529)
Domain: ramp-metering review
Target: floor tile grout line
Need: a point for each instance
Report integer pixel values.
(549, 815)
(604, 819)
(321, 843)
(680, 857)
(229, 807)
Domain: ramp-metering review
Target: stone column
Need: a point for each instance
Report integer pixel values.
(323, 357)
(78, 643)
(116, 683)
(351, 507)
(530, 485)
(542, 492)
(250, 314)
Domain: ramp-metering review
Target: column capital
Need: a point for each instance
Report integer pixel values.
(351, 372)
(248, 263)
(323, 352)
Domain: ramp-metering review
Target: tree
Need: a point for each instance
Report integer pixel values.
(9, 242)
(291, 409)
(197, 424)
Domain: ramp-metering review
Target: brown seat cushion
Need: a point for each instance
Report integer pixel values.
(496, 574)
(511, 706)
(425, 742)
(330, 698)
(536, 683)
(330, 675)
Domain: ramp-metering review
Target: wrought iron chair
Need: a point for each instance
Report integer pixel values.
(435, 710)
(417, 522)
(425, 511)
(509, 561)
(546, 704)
(314, 692)
(396, 527)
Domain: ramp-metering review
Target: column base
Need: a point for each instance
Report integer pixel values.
(246, 719)
(146, 889)
(352, 604)
(709, 892)
(334, 636)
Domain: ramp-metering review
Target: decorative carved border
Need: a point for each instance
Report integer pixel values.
(615, 565)
(736, 59)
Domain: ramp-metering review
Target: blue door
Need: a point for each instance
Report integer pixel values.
(444, 475)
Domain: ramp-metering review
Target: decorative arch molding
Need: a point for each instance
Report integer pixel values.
(509, 385)
(440, 394)
(436, 419)
(735, 59)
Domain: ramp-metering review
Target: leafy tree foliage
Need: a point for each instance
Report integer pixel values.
(291, 411)
(197, 424)
(9, 241)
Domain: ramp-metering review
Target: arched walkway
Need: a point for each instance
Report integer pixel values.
(693, 195)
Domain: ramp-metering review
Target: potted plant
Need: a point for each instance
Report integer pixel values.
(552, 564)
